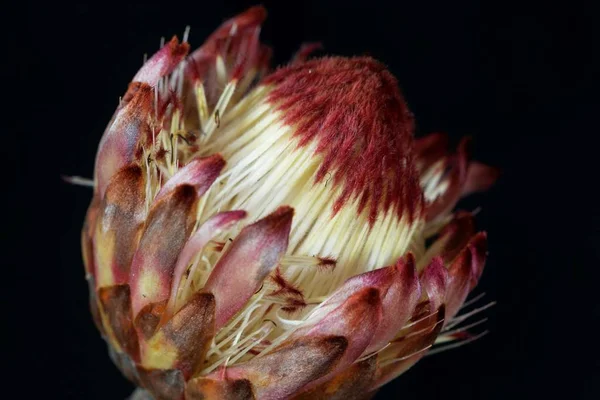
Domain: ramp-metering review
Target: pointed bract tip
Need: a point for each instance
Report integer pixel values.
(408, 261)
(434, 280)
(163, 62)
(278, 220)
(199, 173)
(479, 248)
(252, 17)
(282, 212)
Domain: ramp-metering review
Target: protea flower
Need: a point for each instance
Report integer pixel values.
(259, 234)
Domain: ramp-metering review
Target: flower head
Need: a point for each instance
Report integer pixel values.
(262, 234)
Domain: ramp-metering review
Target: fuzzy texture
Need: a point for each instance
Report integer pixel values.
(354, 110)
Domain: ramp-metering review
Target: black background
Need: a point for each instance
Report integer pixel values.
(519, 77)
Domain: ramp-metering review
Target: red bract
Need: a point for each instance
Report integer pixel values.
(258, 235)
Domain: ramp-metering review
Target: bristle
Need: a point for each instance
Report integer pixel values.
(161, 154)
(473, 300)
(306, 49)
(186, 34)
(293, 305)
(78, 180)
(460, 318)
(462, 329)
(440, 349)
(314, 261)
(414, 353)
(327, 262)
(283, 286)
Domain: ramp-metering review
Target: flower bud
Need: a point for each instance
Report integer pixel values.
(262, 234)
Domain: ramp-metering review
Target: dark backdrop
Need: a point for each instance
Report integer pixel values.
(520, 78)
